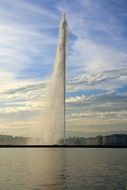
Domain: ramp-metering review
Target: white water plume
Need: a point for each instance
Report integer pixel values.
(53, 129)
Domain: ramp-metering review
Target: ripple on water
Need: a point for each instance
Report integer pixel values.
(63, 169)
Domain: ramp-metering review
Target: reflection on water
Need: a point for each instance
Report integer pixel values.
(63, 169)
(47, 169)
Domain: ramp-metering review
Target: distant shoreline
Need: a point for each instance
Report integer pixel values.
(110, 141)
(60, 146)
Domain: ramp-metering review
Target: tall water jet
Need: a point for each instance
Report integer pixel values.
(55, 112)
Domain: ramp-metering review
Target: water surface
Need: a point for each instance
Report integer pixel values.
(60, 169)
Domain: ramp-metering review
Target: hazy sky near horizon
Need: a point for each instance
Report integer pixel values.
(96, 63)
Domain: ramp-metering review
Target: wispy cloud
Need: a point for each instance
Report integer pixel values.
(96, 62)
(107, 80)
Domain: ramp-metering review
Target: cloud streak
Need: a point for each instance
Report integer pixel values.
(96, 62)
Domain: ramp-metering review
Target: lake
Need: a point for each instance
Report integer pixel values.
(63, 169)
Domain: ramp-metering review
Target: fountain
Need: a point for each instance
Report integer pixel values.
(54, 116)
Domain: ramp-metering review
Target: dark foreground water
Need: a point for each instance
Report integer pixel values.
(59, 169)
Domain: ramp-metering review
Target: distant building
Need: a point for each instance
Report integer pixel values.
(116, 139)
(110, 140)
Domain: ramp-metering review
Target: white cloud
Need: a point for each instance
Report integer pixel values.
(23, 40)
(95, 63)
(76, 99)
(108, 80)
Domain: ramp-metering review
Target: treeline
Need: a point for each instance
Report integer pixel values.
(17, 140)
(12, 140)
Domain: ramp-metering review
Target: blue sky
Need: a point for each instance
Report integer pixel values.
(96, 63)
